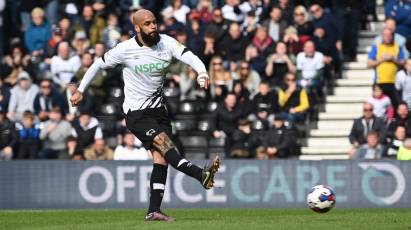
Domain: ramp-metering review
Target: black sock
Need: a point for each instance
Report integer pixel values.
(157, 186)
(174, 158)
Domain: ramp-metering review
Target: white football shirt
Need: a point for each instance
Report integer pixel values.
(144, 69)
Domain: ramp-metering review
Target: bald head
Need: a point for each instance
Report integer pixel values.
(141, 15)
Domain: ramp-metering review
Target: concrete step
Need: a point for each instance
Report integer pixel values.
(354, 82)
(334, 124)
(363, 49)
(364, 91)
(341, 108)
(347, 99)
(356, 65)
(339, 116)
(368, 34)
(329, 133)
(324, 157)
(366, 41)
(325, 151)
(357, 73)
(328, 142)
(376, 26)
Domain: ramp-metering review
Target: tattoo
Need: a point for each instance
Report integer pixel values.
(163, 143)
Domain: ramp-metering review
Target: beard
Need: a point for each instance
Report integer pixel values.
(150, 39)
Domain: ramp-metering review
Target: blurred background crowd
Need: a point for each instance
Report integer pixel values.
(271, 63)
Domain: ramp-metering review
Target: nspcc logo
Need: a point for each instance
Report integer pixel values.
(380, 171)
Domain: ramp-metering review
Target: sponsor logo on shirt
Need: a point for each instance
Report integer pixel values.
(151, 67)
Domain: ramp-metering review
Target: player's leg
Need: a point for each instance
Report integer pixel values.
(168, 150)
(157, 187)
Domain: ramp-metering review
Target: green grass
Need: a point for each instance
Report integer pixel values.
(215, 219)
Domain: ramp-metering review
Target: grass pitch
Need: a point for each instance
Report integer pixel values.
(214, 219)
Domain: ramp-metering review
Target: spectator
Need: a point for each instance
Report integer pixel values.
(38, 33)
(371, 150)
(279, 139)
(204, 10)
(46, 99)
(54, 134)
(226, 117)
(241, 93)
(293, 100)
(95, 89)
(70, 111)
(218, 27)
(265, 98)
(179, 10)
(72, 149)
(310, 65)
(218, 75)
(381, 104)
(250, 24)
(394, 144)
(400, 11)
(112, 33)
(86, 129)
(276, 25)
(404, 152)
(249, 78)
(15, 63)
(232, 11)
(326, 46)
(209, 48)
(92, 24)
(22, 97)
(398, 38)
(287, 8)
(195, 34)
(304, 26)
(131, 149)
(4, 96)
(402, 118)
(278, 65)
(28, 137)
(328, 22)
(51, 46)
(68, 30)
(263, 42)
(188, 86)
(80, 43)
(403, 83)
(233, 45)
(98, 151)
(254, 6)
(64, 66)
(8, 137)
(385, 59)
(170, 24)
(257, 60)
(292, 40)
(243, 142)
(261, 153)
(364, 125)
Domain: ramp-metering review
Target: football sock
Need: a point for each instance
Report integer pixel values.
(174, 158)
(157, 186)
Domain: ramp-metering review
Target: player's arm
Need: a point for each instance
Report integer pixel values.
(183, 54)
(109, 59)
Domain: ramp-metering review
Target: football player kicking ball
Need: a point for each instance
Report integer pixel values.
(145, 59)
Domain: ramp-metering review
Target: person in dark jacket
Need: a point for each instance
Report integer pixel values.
(234, 44)
(29, 142)
(86, 129)
(244, 141)
(265, 98)
(226, 116)
(279, 140)
(218, 26)
(402, 118)
(8, 137)
(46, 99)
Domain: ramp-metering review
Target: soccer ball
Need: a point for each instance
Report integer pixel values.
(321, 199)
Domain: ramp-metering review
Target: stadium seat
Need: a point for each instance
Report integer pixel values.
(194, 145)
(204, 128)
(116, 96)
(184, 127)
(171, 92)
(216, 146)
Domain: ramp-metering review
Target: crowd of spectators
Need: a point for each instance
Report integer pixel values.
(384, 130)
(269, 63)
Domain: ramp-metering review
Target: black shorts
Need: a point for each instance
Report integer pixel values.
(146, 124)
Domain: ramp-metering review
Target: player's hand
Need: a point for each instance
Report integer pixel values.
(203, 80)
(76, 98)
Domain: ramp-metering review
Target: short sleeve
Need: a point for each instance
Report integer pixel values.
(113, 57)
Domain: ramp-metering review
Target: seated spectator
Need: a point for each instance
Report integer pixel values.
(195, 36)
(73, 151)
(404, 152)
(14, 64)
(218, 75)
(250, 24)
(243, 141)
(28, 137)
(403, 83)
(170, 25)
(233, 11)
(278, 65)
(256, 60)
(131, 149)
(22, 97)
(233, 45)
(51, 46)
(63, 66)
(293, 99)
(218, 27)
(248, 77)
(38, 33)
(86, 129)
(265, 98)
(402, 118)
(310, 65)
(4, 96)
(96, 89)
(112, 33)
(179, 10)
(241, 93)
(188, 85)
(279, 140)
(80, 43)
(8, 137)
(204, 11)
(92, 23)
(371, 150)
(70, 111)
(253, 6)
(391, 24)
(304, 26)
(261, 117)
(261, 153)
(226, 116)
(381, 104)
(209, 48)
(54, 134)
(292, 40)
(46, 99)
(395, 143)
(385, 58)
(98, 151)
(276, 24)
(326, 46)
(263, 42)
(365, 124)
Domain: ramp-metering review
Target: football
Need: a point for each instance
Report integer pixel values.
(321, 198)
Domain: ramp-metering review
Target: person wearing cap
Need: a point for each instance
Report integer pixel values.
(80, 43)
(22, 97)
(38, 33)
(279, 139)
